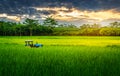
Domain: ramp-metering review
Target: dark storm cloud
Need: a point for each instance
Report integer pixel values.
(23, 6)
(64, 10)
(47, 12)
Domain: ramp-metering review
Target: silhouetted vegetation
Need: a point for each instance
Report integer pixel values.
(50, 26)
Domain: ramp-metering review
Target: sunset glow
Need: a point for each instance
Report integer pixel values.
(75, 14)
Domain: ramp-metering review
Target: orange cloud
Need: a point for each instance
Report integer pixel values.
(75, 14)
(15, 18)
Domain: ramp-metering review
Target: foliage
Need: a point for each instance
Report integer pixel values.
(31, 24)
(50, 22)
(51, 27)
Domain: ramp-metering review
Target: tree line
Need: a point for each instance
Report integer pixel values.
(50, 26)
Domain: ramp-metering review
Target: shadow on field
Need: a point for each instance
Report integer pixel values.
(116, 46)
(65, 45)
(11, 43)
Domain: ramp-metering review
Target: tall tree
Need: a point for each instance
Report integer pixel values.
(85, 26)
(50, 22)
(95, 26)
(115, 25)
(19, 28)
(30, 23)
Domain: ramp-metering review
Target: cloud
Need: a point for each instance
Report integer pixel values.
(91, 11)
(67, 14)
(22, 6)
(11, 17)
(71, 14)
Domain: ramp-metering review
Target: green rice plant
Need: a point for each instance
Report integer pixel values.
(62, 58)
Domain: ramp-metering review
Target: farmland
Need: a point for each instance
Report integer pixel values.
(60, 56)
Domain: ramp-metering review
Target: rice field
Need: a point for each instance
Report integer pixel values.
(60, 56)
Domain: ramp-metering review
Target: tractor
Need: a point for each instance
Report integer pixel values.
(30, 43)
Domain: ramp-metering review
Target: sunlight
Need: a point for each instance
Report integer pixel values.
(63, 13)
(14, 18)
(3, 15)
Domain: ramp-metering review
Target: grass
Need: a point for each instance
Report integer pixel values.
(60, 56)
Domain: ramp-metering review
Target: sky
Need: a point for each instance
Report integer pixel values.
(64, 11)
